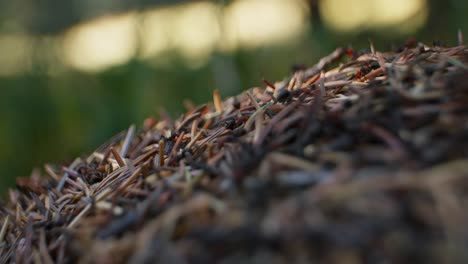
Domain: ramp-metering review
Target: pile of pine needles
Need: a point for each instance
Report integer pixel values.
(361, 158)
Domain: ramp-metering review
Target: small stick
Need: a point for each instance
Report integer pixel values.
(372, 47)
(174, 148)
(252, 98)
(292, 82)
(286, 111)
(269, 84)
(381, 61)
(65, 176)
(193, 140)
(44, 253)
(84, 186)
(129, 165)
(392, 141)
(63, 198)
(215, 134)
(311, 80)
(79, 216)
(51, 172)
(117, 157)
(71, 172)
(210, 150)
(6, 222)
(248, 124)
(127, 141)
(333, 84)
(188, 120)
(161, 152)
(258, 127)
(208, 123)
(105, 157)
(373, 74)
(103, 195)
(460, 37)
(217, 101)
(75, 184)
(193, 131)
(141, 158)
(323, 92)
(129, 180)
(293, 162)
(109, 178)
(324, 62)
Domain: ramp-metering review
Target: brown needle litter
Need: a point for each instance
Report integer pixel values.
(362, 156)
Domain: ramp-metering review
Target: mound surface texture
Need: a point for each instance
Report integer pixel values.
(362, 157)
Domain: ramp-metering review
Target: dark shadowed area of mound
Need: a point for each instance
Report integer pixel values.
(361, 158)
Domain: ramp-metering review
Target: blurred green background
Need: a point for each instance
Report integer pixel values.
(74, 73)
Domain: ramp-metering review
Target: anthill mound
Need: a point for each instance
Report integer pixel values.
(360, 158)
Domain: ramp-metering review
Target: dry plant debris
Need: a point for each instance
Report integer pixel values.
(360, 158)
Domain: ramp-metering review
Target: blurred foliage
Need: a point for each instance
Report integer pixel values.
(54, 118)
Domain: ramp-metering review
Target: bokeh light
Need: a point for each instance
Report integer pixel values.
(194, 30)
(99, 44)
(402, 16)
(253, 23)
